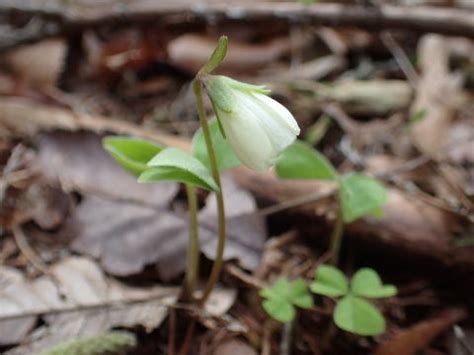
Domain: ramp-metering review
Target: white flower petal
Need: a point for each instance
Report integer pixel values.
(281, 112)
(277, 125)
(257, 127)
(248, 139)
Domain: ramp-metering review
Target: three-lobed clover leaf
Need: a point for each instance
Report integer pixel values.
(131, 153)
(301, 161)
(283, 296)
(356, 315)
(225, 156)
(361, 195)
(329, 281)
(353, 313)
(366, 282)
(174, 164)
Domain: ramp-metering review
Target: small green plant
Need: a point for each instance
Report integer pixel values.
(353, 313)
(250, 128)
(358, 194)
(280, 299)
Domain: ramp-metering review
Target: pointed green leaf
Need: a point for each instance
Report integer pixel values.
(360, 195)
(300, 161)
(217, 57)
(366, 282)
(330, 281)
(225, 155)
(174, 164)
(355, 315)
(280, 310)
(131, 153)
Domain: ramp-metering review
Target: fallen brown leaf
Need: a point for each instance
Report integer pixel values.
(79, 300)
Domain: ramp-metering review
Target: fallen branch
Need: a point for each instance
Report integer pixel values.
(62, 17)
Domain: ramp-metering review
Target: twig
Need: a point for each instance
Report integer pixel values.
(461, 338)
(401, 58)
(286, 338)
(62, 17)
(172, 332)
(29, 253)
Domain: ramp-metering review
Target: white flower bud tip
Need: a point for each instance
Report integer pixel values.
(257, 127)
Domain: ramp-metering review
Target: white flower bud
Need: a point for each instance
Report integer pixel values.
(257, 127)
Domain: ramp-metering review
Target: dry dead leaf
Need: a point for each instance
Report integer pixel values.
(246, 232)
(46, 66)
(126, 237)
(234, 347)
(80, 300)
(411, 340)
(78, 162)
(435, 94)
(134, 236)
(191, 52)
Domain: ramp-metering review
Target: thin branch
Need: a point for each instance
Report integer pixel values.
(61, 17)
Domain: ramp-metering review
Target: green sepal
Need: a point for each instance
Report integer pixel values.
(220, 93)
(217, 57)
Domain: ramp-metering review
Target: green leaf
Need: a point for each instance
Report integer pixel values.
(360, 195)
(132, 154)
(174, 164)
(417, 116)
(217, 57)
(279, 309)
(300, 161)
(355, 315)
(283, 296)
(299, 295)
(225, 155)
(330, 281)
(366, 282)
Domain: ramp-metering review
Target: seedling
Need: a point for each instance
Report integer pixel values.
(282, 298)
(358, 194)
(353, 313)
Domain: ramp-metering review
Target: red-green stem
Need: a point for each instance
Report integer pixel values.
(217, 266)
(192, 268)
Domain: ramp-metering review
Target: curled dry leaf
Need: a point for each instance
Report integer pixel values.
(79, 300)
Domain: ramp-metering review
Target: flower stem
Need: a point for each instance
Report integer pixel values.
(192, 268)
(217, 266)
(336, 238)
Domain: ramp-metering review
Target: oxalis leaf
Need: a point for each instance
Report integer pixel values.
(329, 281)
(300, 161)
(361, 195)
(355, 315)
(225, 156)
(174, 164)
(131, 153)
(366, 282)
(283, 296)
